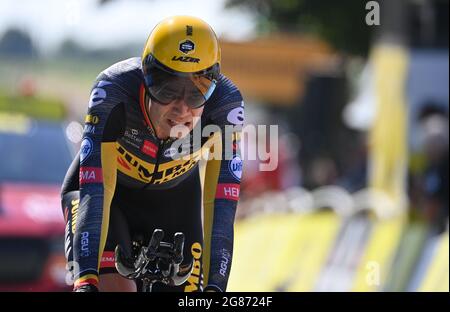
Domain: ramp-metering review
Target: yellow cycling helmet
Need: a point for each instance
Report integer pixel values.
(181, 59)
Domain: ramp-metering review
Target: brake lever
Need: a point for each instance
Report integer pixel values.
(178, 246)
(155, 242)
(125, 265)
(177, 275)
(133, 269)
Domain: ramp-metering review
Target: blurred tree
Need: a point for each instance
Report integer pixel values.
(342, 23)
(17, 43)
(102, 2)
(71, 49)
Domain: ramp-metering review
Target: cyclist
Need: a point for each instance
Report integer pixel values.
(131, 175)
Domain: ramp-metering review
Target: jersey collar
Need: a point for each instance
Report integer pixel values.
(143, 100)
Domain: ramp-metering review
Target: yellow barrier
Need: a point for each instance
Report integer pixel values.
(436, 277)
(388, 135)
(281, 252)
(379, 254)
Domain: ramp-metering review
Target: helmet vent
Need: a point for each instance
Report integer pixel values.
(189, 30)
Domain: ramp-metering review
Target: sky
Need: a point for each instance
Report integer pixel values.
(49, 22)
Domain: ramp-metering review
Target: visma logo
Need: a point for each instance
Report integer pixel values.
(187, 46)
(87, 175)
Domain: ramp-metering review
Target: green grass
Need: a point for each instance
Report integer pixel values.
(12, 70)
(59, 83)
(34, 106)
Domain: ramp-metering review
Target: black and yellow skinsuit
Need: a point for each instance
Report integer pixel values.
(125, 181)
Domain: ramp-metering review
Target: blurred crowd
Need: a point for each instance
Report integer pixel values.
(428, 169)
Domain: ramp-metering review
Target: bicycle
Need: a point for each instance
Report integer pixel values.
(158, 262)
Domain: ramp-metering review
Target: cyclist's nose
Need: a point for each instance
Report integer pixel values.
(181, 107)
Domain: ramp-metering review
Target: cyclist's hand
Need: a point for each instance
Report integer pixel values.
(86, 288)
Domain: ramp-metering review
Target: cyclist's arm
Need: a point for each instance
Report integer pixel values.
(104, 123)
(221, 195)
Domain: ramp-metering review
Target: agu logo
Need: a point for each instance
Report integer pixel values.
(85, 149)
(224, 262)
(235, 167)
(85, 244)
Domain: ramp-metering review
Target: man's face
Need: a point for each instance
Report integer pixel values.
(174, 117)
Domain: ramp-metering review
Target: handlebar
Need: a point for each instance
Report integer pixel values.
(158, 262)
